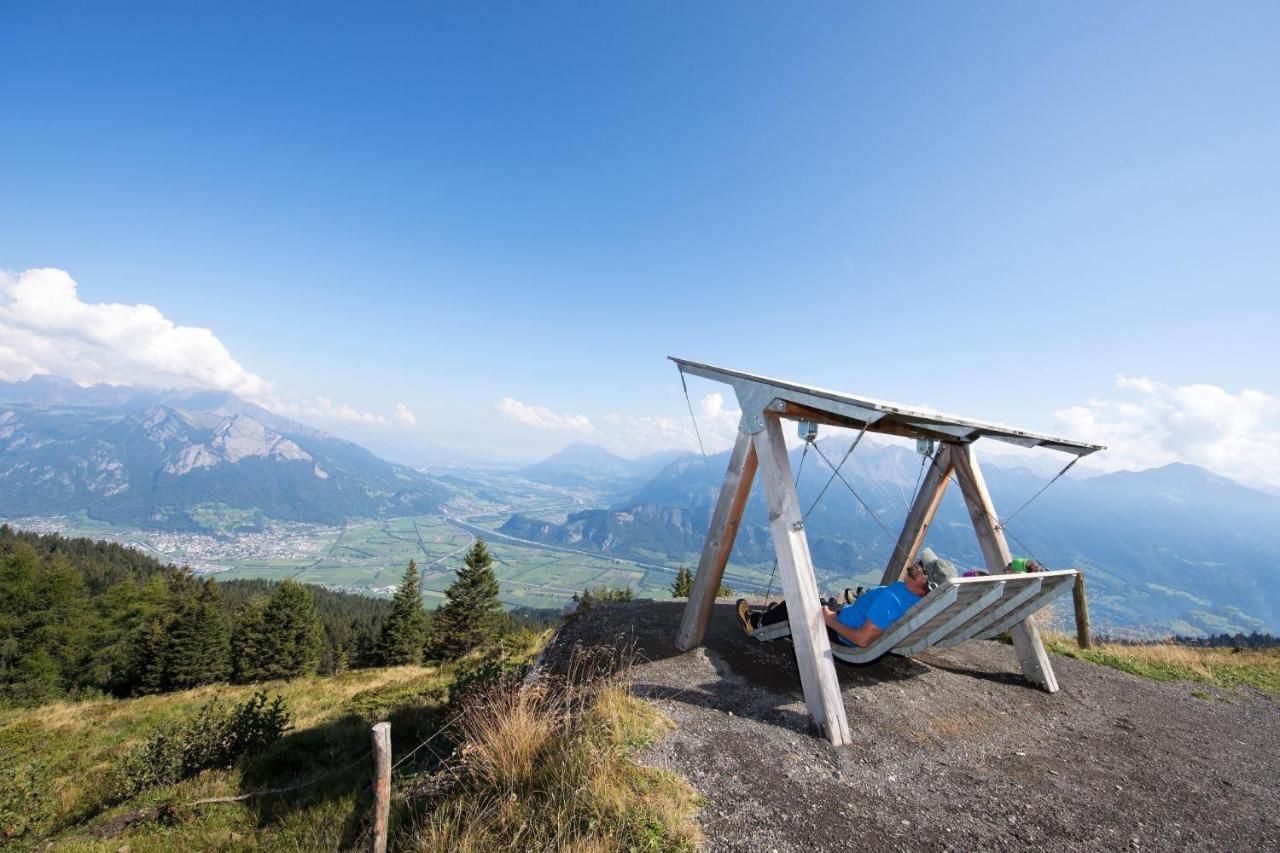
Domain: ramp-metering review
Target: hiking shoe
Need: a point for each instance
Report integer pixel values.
(744, 615)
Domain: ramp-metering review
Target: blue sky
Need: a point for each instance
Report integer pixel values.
(995, 209)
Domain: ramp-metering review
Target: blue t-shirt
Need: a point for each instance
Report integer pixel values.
(883, 605)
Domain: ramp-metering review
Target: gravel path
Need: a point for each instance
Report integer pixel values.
(952, 751)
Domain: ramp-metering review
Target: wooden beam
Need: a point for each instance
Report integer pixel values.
(1026, 636)
(923, 509)
(1084, 639)
(719, 543)
(885, 425)
(381, 786)
(800, 587)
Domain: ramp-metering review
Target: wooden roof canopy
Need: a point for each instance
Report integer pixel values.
(760, 394)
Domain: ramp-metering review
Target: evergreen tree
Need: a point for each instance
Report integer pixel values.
(79, 616)
(250, 646)
(471, 614)
(198, 650)
(404, 632)
(279, 638)
(683, 583)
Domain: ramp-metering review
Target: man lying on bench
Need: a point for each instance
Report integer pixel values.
(861, 622)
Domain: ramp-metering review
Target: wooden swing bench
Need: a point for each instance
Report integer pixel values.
(959, 609)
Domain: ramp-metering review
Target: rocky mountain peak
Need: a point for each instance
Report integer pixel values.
(238, 437)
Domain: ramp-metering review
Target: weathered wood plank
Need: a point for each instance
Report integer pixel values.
(1009, 603)
(719, 542)
(1032, 657)
(381, 785)
(1084, 639)
(923, 509)
(800, 587)
(957, 621)
(1052, 589)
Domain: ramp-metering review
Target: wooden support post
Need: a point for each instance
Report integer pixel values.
(925, 507)
(1026, 637)
(381, 785)
(719, 543)
(1084, 639)
(800, 587)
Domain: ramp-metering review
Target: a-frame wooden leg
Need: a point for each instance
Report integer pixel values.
(719, 543)
(800, 587)
(1026, 636)
(921, 516)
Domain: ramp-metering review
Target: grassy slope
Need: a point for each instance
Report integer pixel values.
(1225, 668)
(73, 749)
(58, 772)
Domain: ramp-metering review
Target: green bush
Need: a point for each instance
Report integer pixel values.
(605, 594)
(24, 797)
(216, 737)
(485, 673)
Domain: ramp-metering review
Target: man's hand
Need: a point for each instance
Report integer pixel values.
(828, 615)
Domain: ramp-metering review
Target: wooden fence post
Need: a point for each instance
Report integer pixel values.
(381, 785)
(1084, 639)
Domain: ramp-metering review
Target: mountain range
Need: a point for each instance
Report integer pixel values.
(581, 465)
(1175, 548)
(162, 459)
(1172, 548)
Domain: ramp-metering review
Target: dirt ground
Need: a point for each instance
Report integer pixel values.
(952, 749)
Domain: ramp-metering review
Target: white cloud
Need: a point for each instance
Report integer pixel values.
(1234, 434)
(540, 417)
(45, 328)
(636, 435)
(324, 409)
(404, 415)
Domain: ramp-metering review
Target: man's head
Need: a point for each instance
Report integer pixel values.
(917, 579)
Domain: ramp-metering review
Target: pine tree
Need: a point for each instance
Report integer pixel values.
(279, 638)
(470, 616)
(199, 641)
(404, 632)
(250, 646)
(683, 583)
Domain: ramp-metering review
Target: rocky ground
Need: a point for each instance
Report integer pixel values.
(952, 750)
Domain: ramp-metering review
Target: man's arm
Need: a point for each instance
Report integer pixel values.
(863, 636)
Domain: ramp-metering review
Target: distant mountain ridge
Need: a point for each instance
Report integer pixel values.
(582, 465)
(1174, 548)
(150, 458)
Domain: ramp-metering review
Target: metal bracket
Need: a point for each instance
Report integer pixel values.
(754, 400)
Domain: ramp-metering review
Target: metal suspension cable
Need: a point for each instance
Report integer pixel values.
(854, 492)
(924, 457)
(688, 402)
(1043, 488)
(835, 470)
(1001, 525)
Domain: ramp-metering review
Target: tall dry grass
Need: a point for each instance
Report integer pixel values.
(552, 765)
(1166, 661)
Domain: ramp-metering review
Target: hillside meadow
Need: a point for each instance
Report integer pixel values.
(549, 764)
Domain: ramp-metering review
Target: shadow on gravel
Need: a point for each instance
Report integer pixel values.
(1012, 678)
(648, 630)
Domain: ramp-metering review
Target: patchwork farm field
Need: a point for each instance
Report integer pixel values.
(369, 557)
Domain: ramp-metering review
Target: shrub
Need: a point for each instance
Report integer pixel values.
(606, 594)
(484, 674)
(23, 797)
(216, 737)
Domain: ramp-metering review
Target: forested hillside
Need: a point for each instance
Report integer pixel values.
(79, 617)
